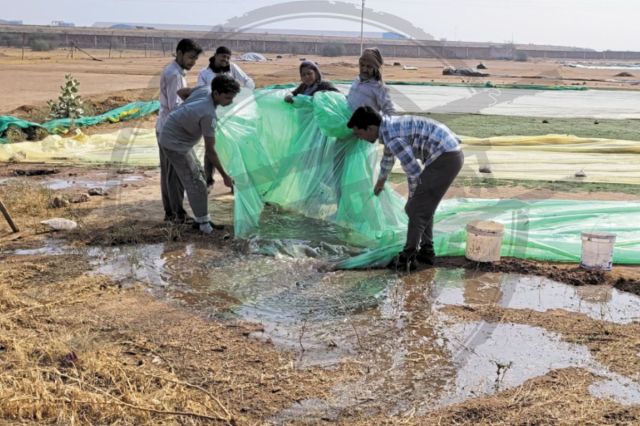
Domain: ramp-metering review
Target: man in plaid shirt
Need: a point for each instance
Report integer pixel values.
(414, 140)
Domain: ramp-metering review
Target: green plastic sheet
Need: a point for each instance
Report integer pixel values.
(304, 187)
(300, 158)
(547, 230)
(7, 120)
(298, 168)
(127, 112)
(479, 85)
(130, 111)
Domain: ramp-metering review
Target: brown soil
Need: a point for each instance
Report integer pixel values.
(93, 105)
(78, 348)
(93, 352)
(623, 278)
(134, 71)
(120, 80)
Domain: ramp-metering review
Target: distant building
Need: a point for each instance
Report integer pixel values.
(168, 27)
(258, 30)
(393, 36)
(122, 27)
(62, 24)
(4, 22)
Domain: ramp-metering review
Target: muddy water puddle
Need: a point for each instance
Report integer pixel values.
(295, 235)
(599, 302)
(409, 356)
(102, 180)
(105, 181)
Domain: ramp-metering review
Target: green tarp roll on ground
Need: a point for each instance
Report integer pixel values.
(487, 84)
(7, 120)
(127, 112)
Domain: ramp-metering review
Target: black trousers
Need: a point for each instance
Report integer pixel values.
(434, 182)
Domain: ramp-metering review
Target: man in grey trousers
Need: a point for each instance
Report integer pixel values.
(173, 80)
(186, 125)
(412, 139)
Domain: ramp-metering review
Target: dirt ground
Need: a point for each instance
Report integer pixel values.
(134, 71)
(81, 348)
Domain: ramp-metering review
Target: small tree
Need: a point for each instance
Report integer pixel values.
(69, 104)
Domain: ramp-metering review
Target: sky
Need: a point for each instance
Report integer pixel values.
(596, 24)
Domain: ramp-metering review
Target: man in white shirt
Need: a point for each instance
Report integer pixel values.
(220, 63)
(171, 81)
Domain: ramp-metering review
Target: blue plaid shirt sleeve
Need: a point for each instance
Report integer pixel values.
(410, 165)
(386, 165)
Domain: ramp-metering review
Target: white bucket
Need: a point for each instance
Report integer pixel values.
(597, 251)
(484, 241)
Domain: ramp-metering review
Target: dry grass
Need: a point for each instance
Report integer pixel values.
(27, 203)
(76, 349)
(30, 203)
(560, 397)
(124, 231)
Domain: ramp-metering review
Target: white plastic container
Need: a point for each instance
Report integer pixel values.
(597, 251)
(484, 241)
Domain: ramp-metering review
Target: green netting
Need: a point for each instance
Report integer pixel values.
(279, 154)
(487, 84)
(7, 120)
(548, 230)
(301, 159)
(127, 112)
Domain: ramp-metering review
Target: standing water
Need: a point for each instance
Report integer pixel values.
(413, 356)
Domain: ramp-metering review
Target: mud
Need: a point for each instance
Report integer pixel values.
(105, 181)
(280, 341)
(568, 274)
(410, 356)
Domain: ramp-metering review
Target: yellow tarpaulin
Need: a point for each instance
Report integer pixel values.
(550, 157)
(127, 146)
(553, 157)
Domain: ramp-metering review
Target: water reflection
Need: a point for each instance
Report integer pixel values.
(411, 356)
